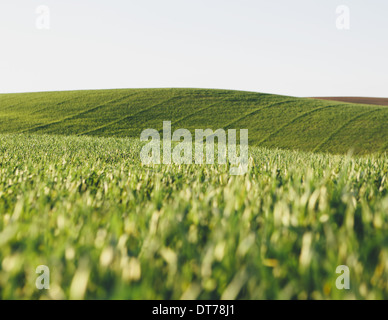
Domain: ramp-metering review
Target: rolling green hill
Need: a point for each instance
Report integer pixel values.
(272, 120)
(109, 227)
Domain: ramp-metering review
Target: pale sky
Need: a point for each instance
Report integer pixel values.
(274, 46)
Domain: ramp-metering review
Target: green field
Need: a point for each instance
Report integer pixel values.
(109, 228)
(75, 197)
(273, 121)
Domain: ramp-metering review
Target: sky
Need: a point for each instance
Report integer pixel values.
(273, 46)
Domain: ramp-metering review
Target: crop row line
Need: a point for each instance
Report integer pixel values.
(126, 117)
(293, 120)
(335, 132)
(77, 114)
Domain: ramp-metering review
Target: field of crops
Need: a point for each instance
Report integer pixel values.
(108, 227)
(273, 121)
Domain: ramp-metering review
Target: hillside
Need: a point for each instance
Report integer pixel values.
(272, 120)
